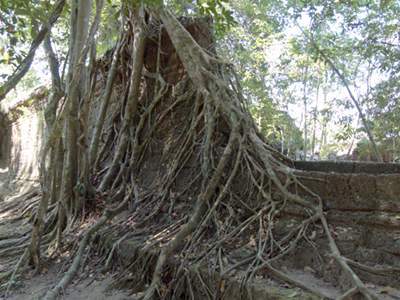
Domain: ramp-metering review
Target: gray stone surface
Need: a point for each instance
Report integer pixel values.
(348, 167)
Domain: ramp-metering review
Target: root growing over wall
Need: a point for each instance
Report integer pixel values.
(181, 157)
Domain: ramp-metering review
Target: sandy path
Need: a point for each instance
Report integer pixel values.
(34, 287)
(89, 289)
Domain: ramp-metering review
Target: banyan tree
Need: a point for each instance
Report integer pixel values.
(154, 143)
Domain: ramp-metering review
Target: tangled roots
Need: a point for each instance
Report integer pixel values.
(201, 189)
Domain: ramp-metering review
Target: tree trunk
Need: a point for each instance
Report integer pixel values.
(105, 99)
(305, 127)
(315, 116)
(133, 97)
(354, 100)
(324, 117)
(74, 94)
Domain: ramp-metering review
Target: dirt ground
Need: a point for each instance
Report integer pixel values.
(92, 285)
(89, 286)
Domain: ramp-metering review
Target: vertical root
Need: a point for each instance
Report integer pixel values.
(73, 269)
(195, 219)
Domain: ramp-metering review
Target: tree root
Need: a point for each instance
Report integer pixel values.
(241, 186)
(73, 269)
(261, 161)
(359, 285)
(287, 279)
(21, 262)
(195, 219)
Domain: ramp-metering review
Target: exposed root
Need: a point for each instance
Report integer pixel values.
(69, 275)
(285, 278)
(359, 285)
(201, 187)
(20, 264)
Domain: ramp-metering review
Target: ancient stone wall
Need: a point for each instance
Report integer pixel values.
(21, 136)
(348, 167)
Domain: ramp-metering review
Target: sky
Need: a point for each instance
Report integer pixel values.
(273, 51)
(272, 55)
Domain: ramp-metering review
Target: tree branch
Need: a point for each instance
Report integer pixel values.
(346, 85)
(25, 65)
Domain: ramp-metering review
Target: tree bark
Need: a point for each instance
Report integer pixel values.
(105, 99)
(74, 93)
(56, 86)
(133, 97)
(315, 114)
(305, 110)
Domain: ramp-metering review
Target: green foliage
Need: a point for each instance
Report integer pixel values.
(19, 20)
(284, 78)
(109, 28)
(278, 127)
(346, 131)
(219, 10)
(360, 37)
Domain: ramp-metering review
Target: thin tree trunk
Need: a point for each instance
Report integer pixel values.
(354, 100)
(47, 173)
(56, 87)
(324, 117)
(85, 187)
(315, 117)
(74, 93)
(133, 97)
(90, 88)
(305, 109)
(105, 99)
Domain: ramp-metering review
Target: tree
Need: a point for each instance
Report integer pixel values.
(198, 112)
(23, 68)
